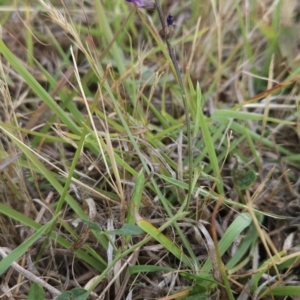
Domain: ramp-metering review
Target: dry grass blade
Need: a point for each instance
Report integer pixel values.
(196, 98)
(5, 163)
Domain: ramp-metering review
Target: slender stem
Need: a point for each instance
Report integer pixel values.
(184, 98)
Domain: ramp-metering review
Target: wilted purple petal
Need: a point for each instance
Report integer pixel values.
(142, 3)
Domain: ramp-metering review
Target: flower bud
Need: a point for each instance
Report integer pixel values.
(170, 29)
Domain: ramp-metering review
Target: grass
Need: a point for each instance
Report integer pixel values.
(119, 182)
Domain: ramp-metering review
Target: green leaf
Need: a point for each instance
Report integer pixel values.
(246, 180)
(93, 225)
(131, 229)
(75, 294)
(36, 292)
(198, 293)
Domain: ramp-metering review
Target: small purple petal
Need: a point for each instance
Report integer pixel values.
(142, 3)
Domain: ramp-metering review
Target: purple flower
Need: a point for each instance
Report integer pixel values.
(142, 3)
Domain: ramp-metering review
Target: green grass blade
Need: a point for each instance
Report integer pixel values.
(232, 232)
(162, 239)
